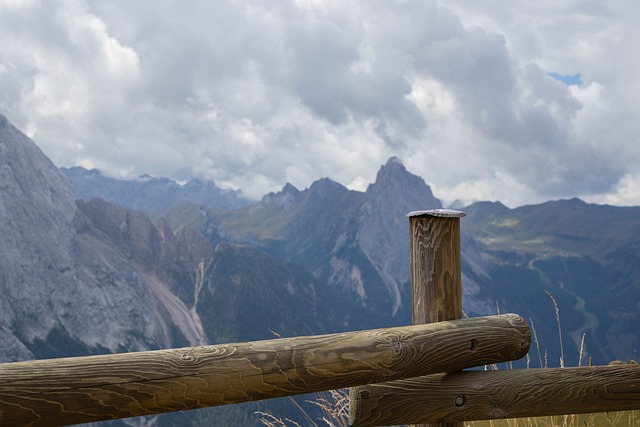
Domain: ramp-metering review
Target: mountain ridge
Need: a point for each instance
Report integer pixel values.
(88, 276)
(150, 194)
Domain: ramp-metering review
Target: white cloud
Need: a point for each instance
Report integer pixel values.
(16, 5)
(625, 193)
(254, 94)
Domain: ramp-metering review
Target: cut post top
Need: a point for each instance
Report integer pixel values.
(442, 213)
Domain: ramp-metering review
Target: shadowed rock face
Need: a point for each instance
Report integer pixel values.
(164, 266)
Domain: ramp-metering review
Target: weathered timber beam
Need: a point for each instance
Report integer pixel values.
(485, 395)
(94, 388)
(436, 278)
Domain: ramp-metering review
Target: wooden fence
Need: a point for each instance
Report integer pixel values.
(400, 375)
(447, 399)
(94, 388)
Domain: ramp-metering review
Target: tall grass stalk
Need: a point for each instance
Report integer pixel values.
(334, 405)
(581, 349)
(535, 339)
(555, 305)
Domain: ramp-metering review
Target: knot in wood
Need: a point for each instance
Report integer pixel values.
(495, 413)
(187, 356)
(477, 386)
(396, 344)
(515, 319)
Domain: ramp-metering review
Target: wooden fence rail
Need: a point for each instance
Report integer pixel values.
(513, 393)
(93, 388)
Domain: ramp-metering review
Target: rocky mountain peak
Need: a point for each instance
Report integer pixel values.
(393, 180)
(287, 197)
(35, 197)
(290, 189)
(395, 193)
(392, 170)
(326, 187)
(26, 173)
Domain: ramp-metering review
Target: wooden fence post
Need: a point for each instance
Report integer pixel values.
(436, 278)
(435, 265)
(437, 293)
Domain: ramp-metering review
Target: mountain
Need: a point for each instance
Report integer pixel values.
(355, 242)
(87, 277)
(90, 276)
(585, 255)
(148, 194)
(570, 254)
(36, 209)
(569, 227)
(83, 278)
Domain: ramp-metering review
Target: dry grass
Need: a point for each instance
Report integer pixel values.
(334, 405)
(609, 419)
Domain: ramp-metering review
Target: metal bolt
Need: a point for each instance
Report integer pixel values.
(460, 400)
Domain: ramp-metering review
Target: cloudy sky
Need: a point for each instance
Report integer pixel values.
(517, 101)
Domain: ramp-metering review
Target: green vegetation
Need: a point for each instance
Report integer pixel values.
(570, 227)
(182, 215)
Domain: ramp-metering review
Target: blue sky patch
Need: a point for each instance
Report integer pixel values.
(567, 79)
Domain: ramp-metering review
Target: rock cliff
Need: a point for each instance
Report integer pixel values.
(37, 248)
(384, 232)
(87, 277)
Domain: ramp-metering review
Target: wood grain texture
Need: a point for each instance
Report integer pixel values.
(94, 388)
(435, 268)
(471, 396)
(435, 271)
